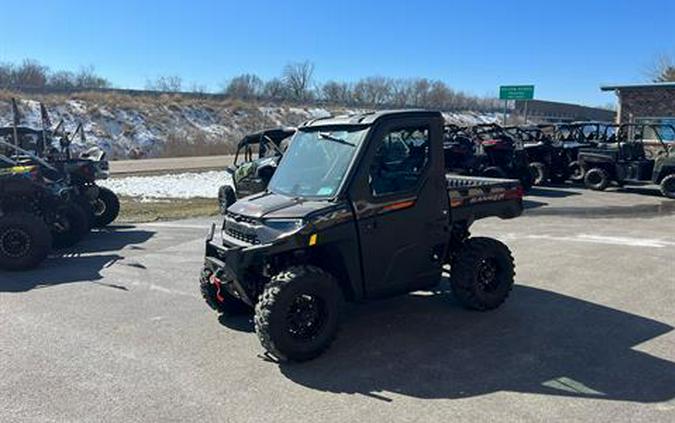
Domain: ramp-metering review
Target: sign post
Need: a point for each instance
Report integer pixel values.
(516, 92)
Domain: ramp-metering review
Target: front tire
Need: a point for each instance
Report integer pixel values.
(226, 197)
(576, 172)
(25, 241)
(296, 317)
(596, 179)
(106, 207)
(668, 186)
(481, 275)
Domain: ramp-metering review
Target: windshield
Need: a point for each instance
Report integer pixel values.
(316, 162)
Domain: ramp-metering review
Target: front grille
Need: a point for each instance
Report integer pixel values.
(242, 228)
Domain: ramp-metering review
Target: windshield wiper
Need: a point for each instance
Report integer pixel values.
(328, 136)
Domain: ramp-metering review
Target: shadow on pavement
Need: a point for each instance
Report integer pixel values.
(531, 204)
(550, 192)
(241, 323)
(608, 212)
(538, 342)
(111, 239)
(80, 263)
(652, 191)
(59, 271)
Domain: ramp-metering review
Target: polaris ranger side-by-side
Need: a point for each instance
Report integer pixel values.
(359, 208)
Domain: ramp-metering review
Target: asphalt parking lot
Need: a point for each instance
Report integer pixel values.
(117, 331)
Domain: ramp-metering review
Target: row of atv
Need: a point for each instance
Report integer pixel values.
(601, 154)
(595, 153)
(48, 198)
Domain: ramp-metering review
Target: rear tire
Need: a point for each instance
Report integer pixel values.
(296, 317)
(107, 207)
(668, 186)
(539, 173)
(482, 273)
(76, 224)
(226, 197)
(220, 300)
(596, 179)
(25, 241)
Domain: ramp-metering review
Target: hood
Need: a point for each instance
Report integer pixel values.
(270, 205)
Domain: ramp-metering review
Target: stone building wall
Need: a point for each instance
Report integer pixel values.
(646, 102)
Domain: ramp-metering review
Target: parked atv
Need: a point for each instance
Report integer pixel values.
(36, 213)
(460, 152)
(502, 156)
(575, 136)
(54, 146)
(255, 162)
(84, 171)
(549, 159)
(628, 162)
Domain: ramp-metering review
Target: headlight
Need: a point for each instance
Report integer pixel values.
(283, 225)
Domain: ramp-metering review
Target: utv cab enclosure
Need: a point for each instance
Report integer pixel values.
(255, 161)
(359, 208)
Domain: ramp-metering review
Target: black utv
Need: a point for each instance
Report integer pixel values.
(627, 161)
(577, 135)
(84, 170)
(549, 159)
(502, 155)
(359, 208)
(54, 146)
(38, 211)
(255, 161)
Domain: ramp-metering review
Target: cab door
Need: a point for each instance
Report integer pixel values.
(402, 212)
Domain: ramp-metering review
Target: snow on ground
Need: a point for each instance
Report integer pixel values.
(179, 185)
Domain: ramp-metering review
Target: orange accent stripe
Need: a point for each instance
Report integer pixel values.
(456, 202)
(399, 206)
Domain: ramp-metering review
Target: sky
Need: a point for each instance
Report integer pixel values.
(567, 49)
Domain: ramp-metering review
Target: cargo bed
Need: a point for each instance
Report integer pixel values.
(474, 198)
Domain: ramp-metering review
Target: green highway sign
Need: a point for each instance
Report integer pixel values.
(516, 92)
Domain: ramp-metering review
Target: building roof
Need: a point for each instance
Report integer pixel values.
(638, 86)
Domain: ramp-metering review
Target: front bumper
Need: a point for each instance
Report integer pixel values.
(236, 266)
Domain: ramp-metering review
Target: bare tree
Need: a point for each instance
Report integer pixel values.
(245, 86)
(63, 80)
(663, 70)
(171, 83)
(374, 90)
(31, 74)
(298, 78)
(275, 89)
(337, 92)
(87, 78)
(6, 75)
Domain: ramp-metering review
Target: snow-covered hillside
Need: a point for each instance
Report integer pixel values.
(131, 127)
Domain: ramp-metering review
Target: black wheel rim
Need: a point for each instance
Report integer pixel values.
(594, 178)
(15, 243)
(306, 317)
(488, 275)
(99, 207)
